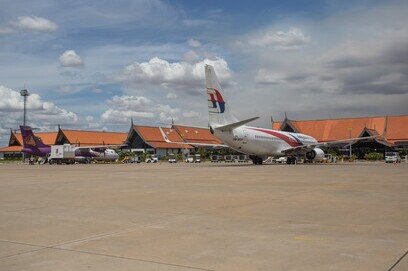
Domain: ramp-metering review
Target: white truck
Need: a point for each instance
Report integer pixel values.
(62, 154)
(153, 158)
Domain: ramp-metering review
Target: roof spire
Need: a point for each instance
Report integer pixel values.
(59, 127)
(131, 121)
(286, 116)
(172, 121)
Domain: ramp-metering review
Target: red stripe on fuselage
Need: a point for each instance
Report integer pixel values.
(287, 139)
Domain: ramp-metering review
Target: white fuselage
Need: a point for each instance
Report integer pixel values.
(262, 142)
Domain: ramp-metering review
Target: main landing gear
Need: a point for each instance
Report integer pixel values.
(291, 160)
(256, 160)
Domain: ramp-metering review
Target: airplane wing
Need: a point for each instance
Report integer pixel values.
(190, 144)
(306, 148)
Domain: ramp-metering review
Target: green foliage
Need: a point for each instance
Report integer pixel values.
(123, 153)
(373, 156)
(353, 158)
(403, 152)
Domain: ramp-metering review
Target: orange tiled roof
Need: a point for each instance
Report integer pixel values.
(90, 138)
(149, 133)
(276, 125)
(337, 129)
(397, 128)
(46, 137)
(154, 137)
(172, 135)
(11, 149)
(196, 135)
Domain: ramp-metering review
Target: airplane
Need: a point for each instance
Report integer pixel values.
(33, 145)
(259, 143)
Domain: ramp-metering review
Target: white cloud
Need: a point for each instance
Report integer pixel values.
(33, 23)
(293, 38)
(6, 30)
(40, 113)
(191, 56)
(191, 114)
(194, 43)
(171, 95)
(70, 58)
(123, 108)
(177, 74)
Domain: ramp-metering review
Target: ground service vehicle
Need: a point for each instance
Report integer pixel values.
(392, 157)
(152, 159)
(228, 158)
(172, 158)
(190, 159)
(197, 158)
(62, 154)
(215, 158)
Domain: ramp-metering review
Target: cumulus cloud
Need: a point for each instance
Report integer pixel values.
(158, 71)
(70, 58)
(190, 114)
(194, 43)
(293, 38)
(29, 24)
(6, 30)
(141, 109)
(171, 95)
(40, 113)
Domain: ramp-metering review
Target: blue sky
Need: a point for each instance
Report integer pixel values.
(96, 65)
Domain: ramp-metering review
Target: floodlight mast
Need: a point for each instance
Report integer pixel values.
(25, 94)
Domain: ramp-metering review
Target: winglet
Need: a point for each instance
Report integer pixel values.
(230, 127)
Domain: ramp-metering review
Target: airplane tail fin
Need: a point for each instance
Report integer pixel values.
(29, 139)
(218, 109)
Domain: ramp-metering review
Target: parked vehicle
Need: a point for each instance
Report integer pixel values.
(242, 158)
(190, 159)
(172, 158)
(281, 160)
(215, 158)
(197, 158)
(392, 157)
(228, 158)
(62, 154)
(152, 158)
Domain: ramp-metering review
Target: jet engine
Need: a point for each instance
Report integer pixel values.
(316, 154)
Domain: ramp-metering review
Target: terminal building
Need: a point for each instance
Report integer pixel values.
(327, 130)
(187, 139)
(176, 139)
(140, 138)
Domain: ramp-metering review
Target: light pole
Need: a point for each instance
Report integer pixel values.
(25, 94)
(350, 142)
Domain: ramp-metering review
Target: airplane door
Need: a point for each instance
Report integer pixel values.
(245, 138)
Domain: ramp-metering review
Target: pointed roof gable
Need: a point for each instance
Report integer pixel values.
(325, 130)
(153, 136)
(196, 135)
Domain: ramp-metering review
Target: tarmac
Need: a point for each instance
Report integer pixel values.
(204, 217)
